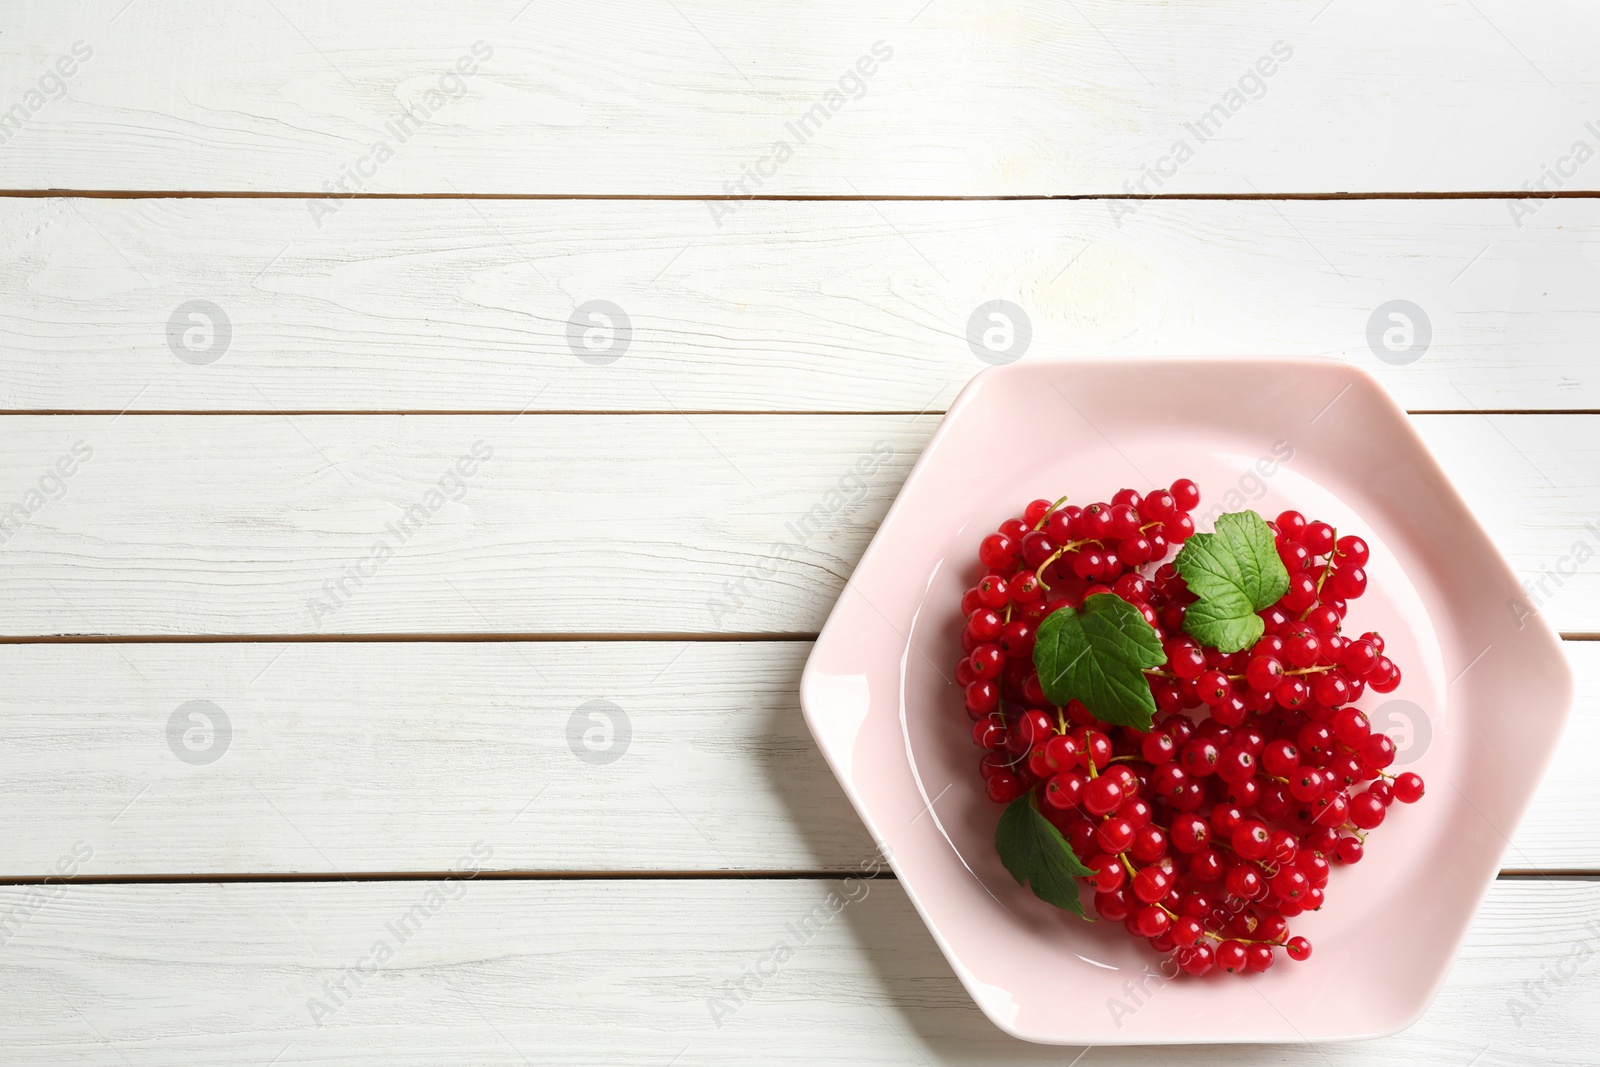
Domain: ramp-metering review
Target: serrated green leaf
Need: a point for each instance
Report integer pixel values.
(1226, 623)
(1235, 572)
(1038, 856)
(1097, 654)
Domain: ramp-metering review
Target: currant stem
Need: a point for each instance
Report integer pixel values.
(1051, 511)
(1057, 554)
(1327, 569)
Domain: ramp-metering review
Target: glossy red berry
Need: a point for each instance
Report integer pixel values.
(1103, 794)
(989, 732)
(983, 696)
(1112, 906)
(1290, 524)
(1159, 506)
(1207, 866)
(1016, 639)
(1236, 764)
(1213, 687)
(1109, 873)
(1359, 658)
(1302, 647)
(1331, 809)
(1196, 959)
(1351, 551)
(1296, 557)
(1185, 658)
(1302, 592)
(1115, 834)
(1251, 839)
(1408, 787)
(1349, 582)
(1245, 882)
(1189, 833)
(1292, 694)
(1331, 689)
(999, 552)
(1034, 728)
(1306, 784)
(1298, 948)
(1318, 537)
(1064, 789)
(1324, 619)
(1061, 752)
(988, 661)
(1378, 751)
(1264, 672)
(1280, 757)
(1158, 748)
(1150, 920)
(1037, 546)
(1003, 787)
(1096, 746)
(1151, 884)
(1149, 844)
(1231, 956)
(1367, 811)
(1349, 850)
(1291, 883)
(1200, 757)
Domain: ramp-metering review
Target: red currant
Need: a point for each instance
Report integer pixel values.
(1408, 788)
(1352, 550)
(999, 552)
(983, 696)
(1213, 687)
(1196, 959)
(1318, 537)
(1200, 757)
(1102, 794)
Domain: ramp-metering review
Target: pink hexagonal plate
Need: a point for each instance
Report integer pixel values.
(1321, 437)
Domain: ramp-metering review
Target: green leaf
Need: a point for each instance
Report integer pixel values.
(1226, 623)
(1038, 856)
(1097, 654)
(1235, 572)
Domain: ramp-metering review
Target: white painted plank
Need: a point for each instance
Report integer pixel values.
(576, 524)
(963, 97)
(602, 972)
(341, 757)
(458, 305)
(379, 758)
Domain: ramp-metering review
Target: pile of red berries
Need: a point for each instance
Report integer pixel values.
(1207, 833)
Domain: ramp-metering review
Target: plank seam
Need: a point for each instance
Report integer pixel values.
(321, 194)
(448, 638)
(568, 876)
(654, 412)
(447, 875)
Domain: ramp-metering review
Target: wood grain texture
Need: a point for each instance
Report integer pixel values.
(461, 305)
(340, 524)
(690, 97)
(340, 757)
(609, 972)
(389, 758)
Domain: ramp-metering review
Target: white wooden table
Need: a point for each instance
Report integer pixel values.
(323, 529)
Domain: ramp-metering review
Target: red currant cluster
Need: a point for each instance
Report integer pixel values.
(1208, 833)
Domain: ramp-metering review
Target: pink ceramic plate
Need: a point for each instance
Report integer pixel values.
(1321, 437)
